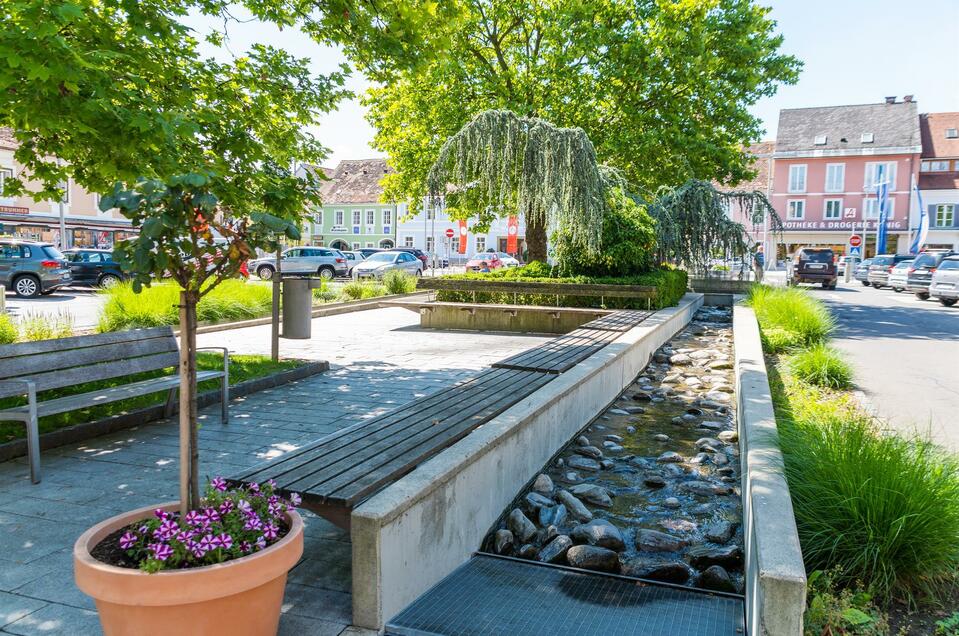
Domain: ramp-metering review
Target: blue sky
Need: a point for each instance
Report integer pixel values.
(855, 52)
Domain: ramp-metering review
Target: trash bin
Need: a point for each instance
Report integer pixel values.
(298, 306)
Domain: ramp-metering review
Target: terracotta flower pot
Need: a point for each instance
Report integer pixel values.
(239, 597)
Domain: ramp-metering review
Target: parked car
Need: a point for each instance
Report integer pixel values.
(945, 281)
(378, 264)
(95, 268)
(491, 259)
(369, 251)
(415, 251)
(815, 265)
(847, 261)
(899, 274)
(507, 260)
(323, 261)
(861, 272)
(352, 258)
(923, 268)
(31, 268)
(881, 267)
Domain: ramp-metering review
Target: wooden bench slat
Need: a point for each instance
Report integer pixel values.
(112, 394)
(618, 321)
(79, 342)
(352, 487)
(561, 354)
(24, 366)
(323, 458)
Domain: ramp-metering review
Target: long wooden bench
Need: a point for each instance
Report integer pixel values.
(31, 368)
(557, 290)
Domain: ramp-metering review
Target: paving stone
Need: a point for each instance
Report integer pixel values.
(56, 619)
(14, 607)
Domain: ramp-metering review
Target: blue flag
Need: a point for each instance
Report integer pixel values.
(882, 200)
(923, 230)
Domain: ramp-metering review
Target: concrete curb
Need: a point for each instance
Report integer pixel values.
(775, 574)
(80, 432)
(416, 531)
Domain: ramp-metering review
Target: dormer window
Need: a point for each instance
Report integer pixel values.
(952, 133)
(867, 138)
(820, 140)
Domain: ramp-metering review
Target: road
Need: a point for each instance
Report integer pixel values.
(906, 356)
(81, 303)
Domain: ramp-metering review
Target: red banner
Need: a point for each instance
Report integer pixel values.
(512, 229)
(462, 246)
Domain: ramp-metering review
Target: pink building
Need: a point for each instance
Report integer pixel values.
(828, 163)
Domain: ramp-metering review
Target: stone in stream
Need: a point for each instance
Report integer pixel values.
(658, 570)
(722, 388)
(642, 397)
(686, 417)
(715, 578)
(613, 448)
(560, 462)
(656, 541)
(521, 527)
(583, 463)
(670, 457)
(607, 464)
(617, 412)
(571, 477)
(703, 354)
(720, 532)
(679, 525)
(601, 533)
(503, 541)
(574, 506)
(708, 444)
(694, 411)
(596, 495)
(720, 460)
(704, 488)
(672, 378)
(719, 365)
(545, 515)
(588, 451)
(582, 440)
(613, 438)
(550, 533)
(661, 437)
(700, 458)
(709, 404)
(693, 382)
(660, 357)
(727, 470)
(713, 426)
(533, 501)
(635, 410)
(590, 557)
(630, 429)
(704, 556)
(560, 516)
(527, 551)
(671, 502)
(543, 485)
(555, 550)
(654, 480)
(680, 359)
(718, 396)
(729, 436)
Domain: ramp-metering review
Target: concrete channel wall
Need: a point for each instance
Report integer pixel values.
(775, 575)
(409, 536)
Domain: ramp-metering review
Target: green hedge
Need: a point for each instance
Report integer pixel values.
(670, 286)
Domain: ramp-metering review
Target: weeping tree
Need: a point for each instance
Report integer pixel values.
(693, 223)
(500, 164)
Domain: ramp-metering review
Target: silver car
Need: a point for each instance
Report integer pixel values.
(353, 258)
(30, 268)
(381, 262)
(899, 275)
(322, 261)
(945, 281)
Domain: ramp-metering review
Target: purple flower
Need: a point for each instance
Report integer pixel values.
(212, 514)
(273, 499)
(185, 536)
(295, 499)
(167, 530)
(160, 514)
(274, 510)
(219, 484)
(243, 505)
(161, 551)
(223, 540)
(252, 522)
(260, 543)
(245, 546)
(254, 487)
(270, 531)
(206, 543)
(194, 518)
(142, 529)
(128, 540)
(226, 507)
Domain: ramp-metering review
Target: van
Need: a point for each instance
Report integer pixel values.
(815, 265)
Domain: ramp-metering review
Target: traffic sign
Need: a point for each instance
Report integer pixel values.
(855, 250)
(855, 240)
(449, 233)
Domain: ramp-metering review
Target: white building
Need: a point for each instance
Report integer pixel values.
(939, 179)
(427, 232)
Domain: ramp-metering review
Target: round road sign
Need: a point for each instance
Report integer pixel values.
(449, 233)
(855, 240)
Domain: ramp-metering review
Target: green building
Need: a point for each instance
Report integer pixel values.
(352, 215)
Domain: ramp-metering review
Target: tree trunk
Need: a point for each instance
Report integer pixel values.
(535, 240)
(189, 451)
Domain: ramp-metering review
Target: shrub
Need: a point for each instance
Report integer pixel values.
(399, 282)
(823, 366)
(37, 326)
(156, 306)
(357, 290)
(831, 610)
(791, 309)
(324, 294)
(948, 626)
(778, 340)
(8, 330)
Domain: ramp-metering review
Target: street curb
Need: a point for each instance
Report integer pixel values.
(121, 421)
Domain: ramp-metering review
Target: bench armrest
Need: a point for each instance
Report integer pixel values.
(29, 386)
(226, 355)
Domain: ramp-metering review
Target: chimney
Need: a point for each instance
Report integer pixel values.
(907, 99)
(891, 99)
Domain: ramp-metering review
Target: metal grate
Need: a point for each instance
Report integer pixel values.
(496, 595)
(622, 320)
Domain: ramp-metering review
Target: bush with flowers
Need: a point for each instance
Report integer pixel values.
(231, 523)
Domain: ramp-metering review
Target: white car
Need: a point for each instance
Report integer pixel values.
(381, 262)
(506, 259)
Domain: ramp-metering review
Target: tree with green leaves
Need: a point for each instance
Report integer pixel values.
(200, 154)
(661, 88)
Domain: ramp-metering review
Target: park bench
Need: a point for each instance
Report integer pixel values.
(557, 290)
(28, 369)
(338, 472)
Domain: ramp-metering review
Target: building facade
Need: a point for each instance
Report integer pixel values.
(427, 231)
(939, 178)
(86, 225)
(828, 163)
(352, 215)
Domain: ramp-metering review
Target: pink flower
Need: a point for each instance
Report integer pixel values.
(160, 514)
(128, 540)
(223, 540)
(295, 499)
(270, 532)
(212, 514)
(245, 546)
(194, 518)
(253, 522)
(219, 483)
(254, 487)
(226, 507)
(161, 551)
(261, 543)
(205, 544)
(167, 530)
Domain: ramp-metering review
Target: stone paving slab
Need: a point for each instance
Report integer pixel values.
(379, 359)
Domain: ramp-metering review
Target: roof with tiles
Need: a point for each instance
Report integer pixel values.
(935, 129)
(761, 157)
(849, 128)
(355, 181)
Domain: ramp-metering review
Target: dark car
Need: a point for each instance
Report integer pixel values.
(30, 268)
(881, 267)
(415, 251)
(920, 275)
(815, 265)
(94, 267)
(369, 251)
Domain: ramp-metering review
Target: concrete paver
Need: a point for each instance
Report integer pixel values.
(380, 359)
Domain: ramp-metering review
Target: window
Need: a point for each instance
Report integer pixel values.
(832, 209)
(337, 217)
(945, 215)
(820, 140)
(952, 133)
(407, 241)
(318, 217)
(430, 213)
(5, 173)
(870, 208)
(357, 217)
(934, 166)
(371, 217)
(387, 218)
(429, 243)
(797, 178)
(867, 138)
(835, 177)
(796, 210)
(480, 243)
(455, 244)
(368, 244)
(888, 169)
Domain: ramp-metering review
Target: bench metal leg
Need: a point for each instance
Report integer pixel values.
(225, 390)
(170, 403)
(33, 436)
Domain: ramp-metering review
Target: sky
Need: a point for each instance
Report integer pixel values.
(854, 52)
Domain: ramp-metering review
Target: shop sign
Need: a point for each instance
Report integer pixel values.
(13, 209)
(840, 225)
(339, 229)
